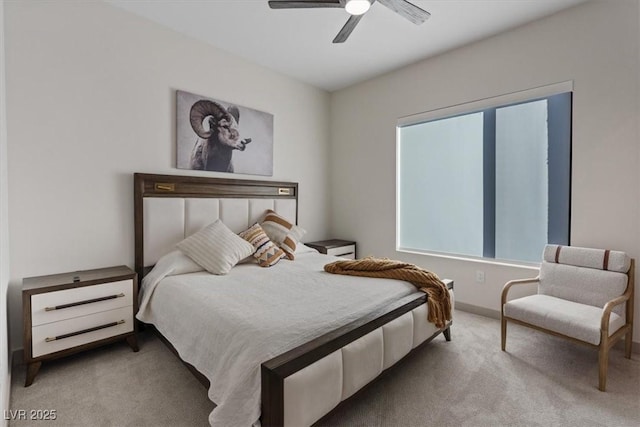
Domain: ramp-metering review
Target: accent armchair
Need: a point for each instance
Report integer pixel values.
(584, 295)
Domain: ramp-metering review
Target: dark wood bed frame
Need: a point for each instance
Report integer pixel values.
(273, 371)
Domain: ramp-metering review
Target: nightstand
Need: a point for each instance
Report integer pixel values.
(335, 247)
(71, 312)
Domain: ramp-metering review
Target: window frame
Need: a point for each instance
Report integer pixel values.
(482, 105)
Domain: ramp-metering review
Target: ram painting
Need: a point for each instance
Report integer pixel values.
(218, 136)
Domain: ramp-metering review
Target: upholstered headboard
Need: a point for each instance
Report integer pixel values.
(169, 208)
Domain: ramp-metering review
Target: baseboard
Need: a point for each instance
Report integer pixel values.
(481, 311)
(495, 314)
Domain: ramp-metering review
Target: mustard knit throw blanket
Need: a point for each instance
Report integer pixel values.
(438, 299)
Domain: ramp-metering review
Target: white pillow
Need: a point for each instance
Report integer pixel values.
(216, 248)
(180, 263)
(173, 263)
(301, 248)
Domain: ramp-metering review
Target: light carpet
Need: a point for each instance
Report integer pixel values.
(540, 381)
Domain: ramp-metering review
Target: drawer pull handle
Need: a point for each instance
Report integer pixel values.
(89, 301)
(84, 331)
(346, 253)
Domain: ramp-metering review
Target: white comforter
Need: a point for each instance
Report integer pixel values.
(226, 326)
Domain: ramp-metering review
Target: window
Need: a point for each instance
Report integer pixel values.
(489, 179)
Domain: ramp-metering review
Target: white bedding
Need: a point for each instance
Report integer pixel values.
(226, 326)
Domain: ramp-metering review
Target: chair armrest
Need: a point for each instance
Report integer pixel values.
(510, 283)
(608, 308)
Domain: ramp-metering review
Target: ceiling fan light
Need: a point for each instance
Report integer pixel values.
(357, 7)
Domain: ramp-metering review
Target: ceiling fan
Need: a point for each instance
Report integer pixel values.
(357, 9)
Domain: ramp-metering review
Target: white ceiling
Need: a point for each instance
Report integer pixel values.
(297, 42)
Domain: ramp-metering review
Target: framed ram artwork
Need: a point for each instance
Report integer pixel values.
(219, 136)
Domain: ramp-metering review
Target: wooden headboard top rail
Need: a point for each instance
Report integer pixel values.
(177, 186)
(149, 185)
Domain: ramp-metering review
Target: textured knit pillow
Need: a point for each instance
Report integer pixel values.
(267, 253)
(282, 232)
(216, 248)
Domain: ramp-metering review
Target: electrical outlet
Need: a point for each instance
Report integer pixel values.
(479, 276)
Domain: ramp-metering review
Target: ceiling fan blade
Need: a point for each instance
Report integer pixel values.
(347, 29)
(300, 4)
(408, 10)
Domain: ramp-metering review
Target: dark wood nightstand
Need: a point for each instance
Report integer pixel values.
(335, 247)
(71, 312)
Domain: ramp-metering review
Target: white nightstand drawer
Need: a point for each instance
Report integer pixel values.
(348, 251)
(50, 337)
(69, 303)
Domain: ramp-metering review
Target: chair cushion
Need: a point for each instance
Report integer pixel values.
(580, 321)
(582, 285)
(600, 259)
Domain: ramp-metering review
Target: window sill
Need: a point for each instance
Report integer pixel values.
(491, 261)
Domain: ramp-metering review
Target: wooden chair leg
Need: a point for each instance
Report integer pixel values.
(603, 362)
(503, 335)
(628, 344)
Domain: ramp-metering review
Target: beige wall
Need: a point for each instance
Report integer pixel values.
(595, 45)
(5, 359)
(91, 99)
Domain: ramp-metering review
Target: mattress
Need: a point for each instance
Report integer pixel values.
(226, 326)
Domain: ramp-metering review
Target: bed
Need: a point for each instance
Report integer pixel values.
(283, 345)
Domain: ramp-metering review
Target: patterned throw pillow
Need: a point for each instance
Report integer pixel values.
(266, 252)
(215, 248)
(282, 232)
